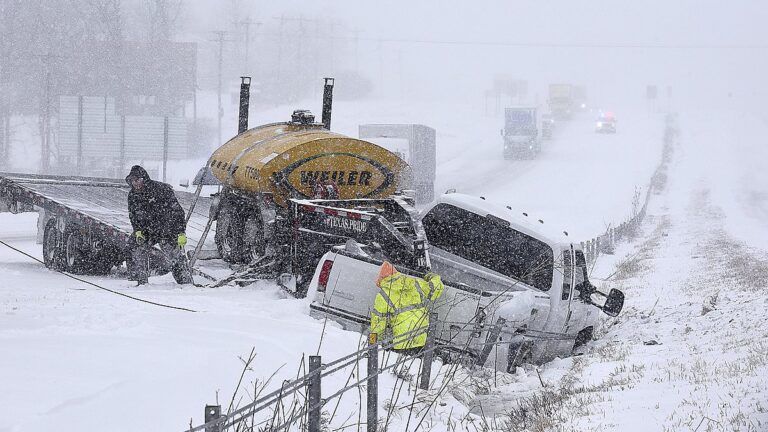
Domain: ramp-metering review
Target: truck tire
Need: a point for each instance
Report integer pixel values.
(582, 338)
(53, 255)
(254, 243)
(519, 354)
(101, 262)
(239, 237)
(76, 254)
(229, 235)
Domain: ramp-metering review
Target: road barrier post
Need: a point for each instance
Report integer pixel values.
(313, 422)
(212, 412)
(429, 352)
(372, 400)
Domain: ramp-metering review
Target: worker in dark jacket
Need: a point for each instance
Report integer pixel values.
(157, 219)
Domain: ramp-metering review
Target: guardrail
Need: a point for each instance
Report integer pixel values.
(605, 243)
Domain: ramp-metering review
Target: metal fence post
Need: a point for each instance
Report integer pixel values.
(212, 412)
(313, 422)
(122, 146)
(165, 147)
(429, 353)
(79, 135)
(372, 401)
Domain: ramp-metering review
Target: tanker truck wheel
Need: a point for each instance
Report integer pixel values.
(254, 243)
(229, 235)
(239, 238)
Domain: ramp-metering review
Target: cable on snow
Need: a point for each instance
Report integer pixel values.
(96, 285)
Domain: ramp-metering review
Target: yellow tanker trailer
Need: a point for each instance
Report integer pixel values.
(262, 168)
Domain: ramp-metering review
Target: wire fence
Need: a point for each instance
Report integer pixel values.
(605, 243)
(304, 410)
(298, 402)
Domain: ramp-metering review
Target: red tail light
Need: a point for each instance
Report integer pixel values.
(325, 273)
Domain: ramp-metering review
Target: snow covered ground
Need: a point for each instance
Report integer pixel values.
(690, 350)
(76, 358)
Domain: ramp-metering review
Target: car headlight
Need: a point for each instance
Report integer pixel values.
(599, 124)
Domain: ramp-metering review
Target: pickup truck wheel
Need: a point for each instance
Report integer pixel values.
(519, 354)
(582, 338)
(53, 255)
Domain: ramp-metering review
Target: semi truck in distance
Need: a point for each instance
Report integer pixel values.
(561, 100)
(521, 135)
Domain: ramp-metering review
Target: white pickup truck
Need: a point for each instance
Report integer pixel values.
(499, 266)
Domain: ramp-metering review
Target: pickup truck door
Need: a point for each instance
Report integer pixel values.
(560, 314)
(584, 315)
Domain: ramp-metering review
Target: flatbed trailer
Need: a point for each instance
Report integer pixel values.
(83, 224)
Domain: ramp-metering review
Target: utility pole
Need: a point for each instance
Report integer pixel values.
(332, 48)
(247, 24)
(280, 47)
(196, 136)
(357, 51)
(45, 114)
(300, 47)
(220, 39)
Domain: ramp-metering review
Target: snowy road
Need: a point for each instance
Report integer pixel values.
(582, 181)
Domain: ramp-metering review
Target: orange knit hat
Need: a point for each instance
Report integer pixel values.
(387, 269)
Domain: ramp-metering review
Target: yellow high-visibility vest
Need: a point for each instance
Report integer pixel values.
(403, 304)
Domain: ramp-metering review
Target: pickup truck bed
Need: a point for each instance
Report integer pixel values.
(466, 315)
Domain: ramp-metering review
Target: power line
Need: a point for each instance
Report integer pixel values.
(220, 39)
(521, 44)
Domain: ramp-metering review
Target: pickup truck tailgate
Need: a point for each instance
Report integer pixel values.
(351, 290)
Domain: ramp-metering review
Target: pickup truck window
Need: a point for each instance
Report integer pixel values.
(490, 244)
(567, 274)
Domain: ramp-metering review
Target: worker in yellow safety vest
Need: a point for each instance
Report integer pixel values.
(403, 303)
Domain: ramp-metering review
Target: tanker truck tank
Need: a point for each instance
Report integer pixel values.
(263, 167)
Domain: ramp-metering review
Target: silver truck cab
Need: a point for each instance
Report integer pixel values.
(499, 250)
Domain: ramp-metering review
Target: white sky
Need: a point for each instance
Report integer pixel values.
(706, 50)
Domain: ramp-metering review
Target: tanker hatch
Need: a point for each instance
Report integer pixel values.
(302, 117)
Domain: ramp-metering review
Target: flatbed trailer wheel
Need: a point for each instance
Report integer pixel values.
(76, 254)
(53, 254)
(101, 262)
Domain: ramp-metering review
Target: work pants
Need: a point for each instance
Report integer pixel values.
(174, 256)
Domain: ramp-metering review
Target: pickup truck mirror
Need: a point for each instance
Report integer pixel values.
(614, 303)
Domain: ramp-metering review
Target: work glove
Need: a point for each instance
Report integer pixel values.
(182, 240)
(429, 276)
(140, 239)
